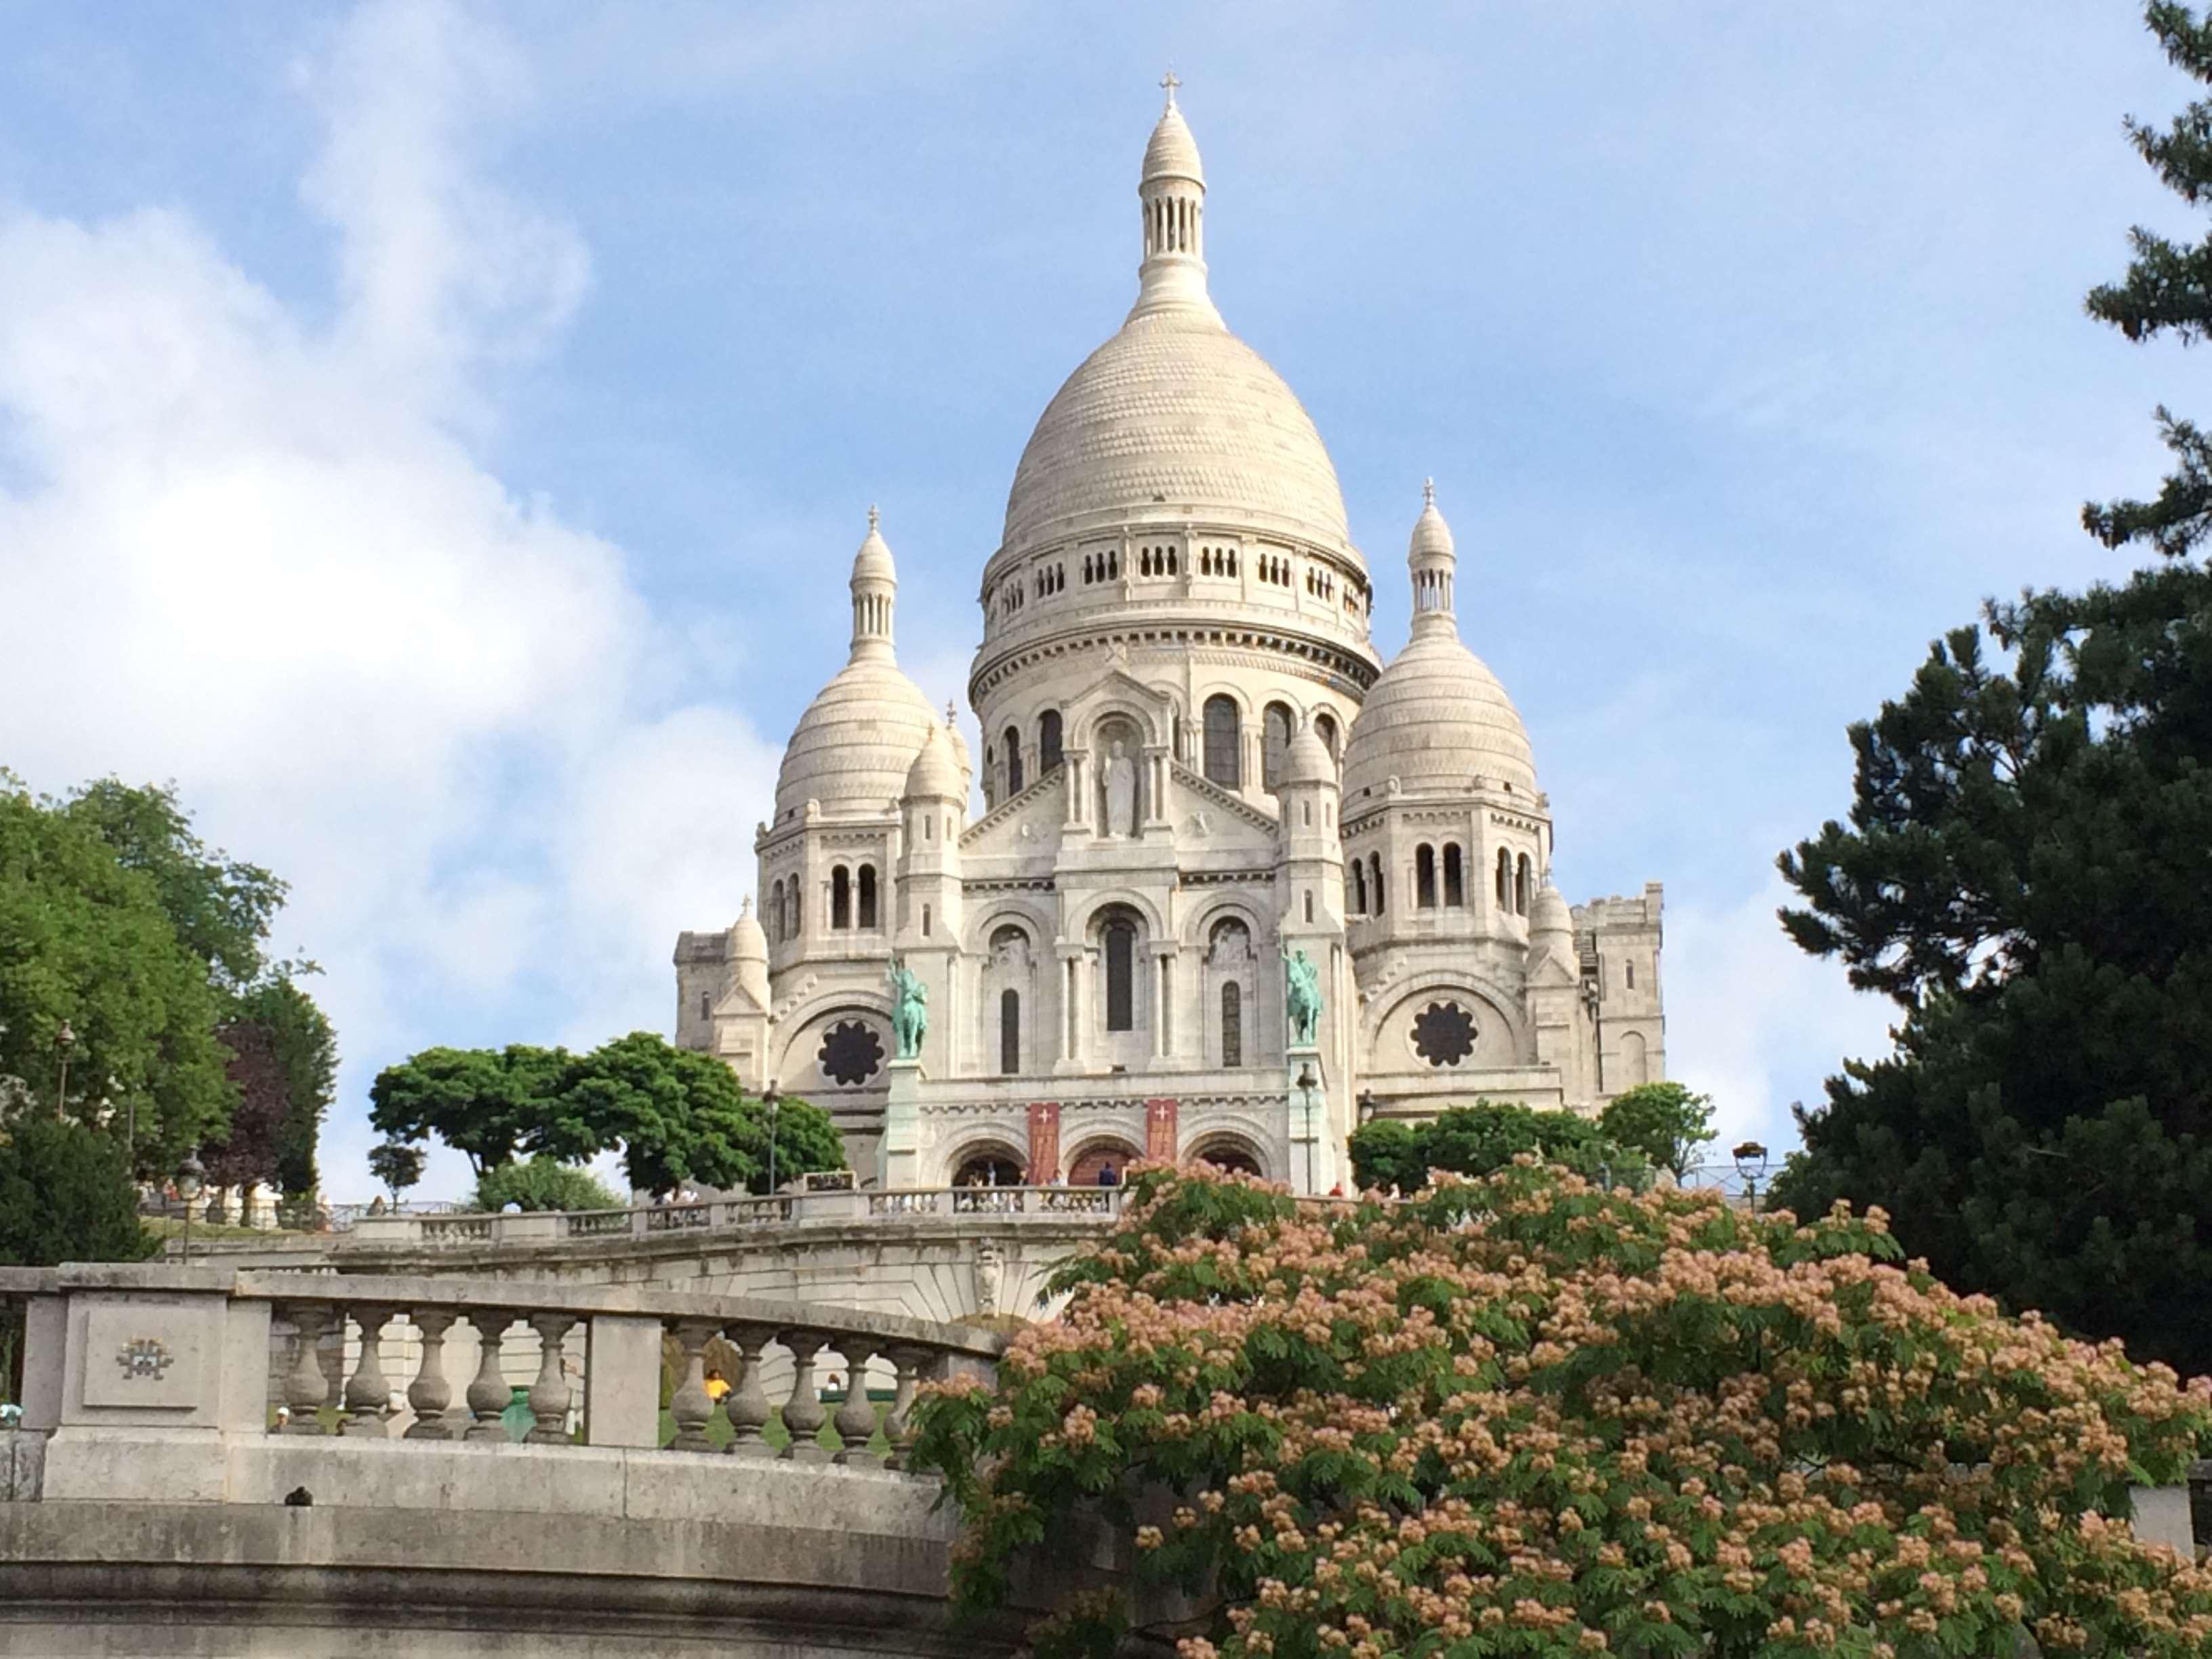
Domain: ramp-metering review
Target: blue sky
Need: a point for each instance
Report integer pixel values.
(434, 436)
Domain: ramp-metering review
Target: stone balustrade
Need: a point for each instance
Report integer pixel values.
(210, 1357)
(726, 1215)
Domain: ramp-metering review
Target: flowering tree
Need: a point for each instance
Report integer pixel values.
(1521, 1415)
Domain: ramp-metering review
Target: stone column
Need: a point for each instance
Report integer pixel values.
(429, 1394)
(1164, 1000)
(1071, 1014)
(898, 1153)
(368, 1392)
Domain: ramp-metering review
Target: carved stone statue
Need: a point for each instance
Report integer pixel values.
(990, 1272)
(1121, 777)
(910, 1010)
(1301, 997)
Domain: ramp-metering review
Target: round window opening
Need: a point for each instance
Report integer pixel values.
(1443, 1034)
(851, 1052)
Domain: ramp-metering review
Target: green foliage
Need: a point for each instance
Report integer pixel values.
(86, 941)
(1664, 1121)
(2168, 290)
(305, 1050)
(2024, 873)
(1486, 1136)
(542, 1183)
(1521, 1416)
(483, 1103)
(676, 1116)
(65, 1195)
(397, 1164)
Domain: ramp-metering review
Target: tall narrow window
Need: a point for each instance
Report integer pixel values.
(1222, 739)
(1375, 879)
(925, 921)
(1424, 877)
(1454, 881)
(775, 912)
(841, 897)
(1325, 724)
(1048, 755)
(1628, 971)
(1232, 1023)
(1275, 743)
(868, 896)
(1120, 976)
(793, 917)
(1520, 885)
(1013, 761)
(1504, 879)
(1010, 1033)
(705, 1004)
(1360, 887)
(1308, 904)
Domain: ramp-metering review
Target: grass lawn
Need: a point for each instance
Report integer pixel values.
(170, 1226)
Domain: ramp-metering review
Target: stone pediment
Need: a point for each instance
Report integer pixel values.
(1547, 969)
(1205, 814)
(1026, 822)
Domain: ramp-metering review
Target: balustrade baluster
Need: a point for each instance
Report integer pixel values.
(856, 1418)
(803, 1414)
(898, 1424)
(304, 1384)
(691, 1405)
(747, 1405)
(488, 1394)
(431, 1392)
(548, 1394)
(368, 1393)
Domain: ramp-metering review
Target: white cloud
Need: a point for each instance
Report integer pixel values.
(1755, 1022)
(259, 551)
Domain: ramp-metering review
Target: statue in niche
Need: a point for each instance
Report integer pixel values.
(1301, 997)
(1120, 780)
(910, 1009)
(990, 1273)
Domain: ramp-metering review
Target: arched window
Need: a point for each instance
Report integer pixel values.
(1325, 724)
(1375, 879)
(1221, 742)
(1276, 726)
(1454, 881)
(1232, 1023)
(1120, 941)
(1424, 877)
(868, 896)
(1521, 886)
(775, 913)
(1504, 879)
(1010, 1032)
(1048, 755)
(990, 775)
(705, 1004)
(1308, 904)
(794, 917)
(841, 897)
(925, 921)
(1360, 887)
(1013, 761)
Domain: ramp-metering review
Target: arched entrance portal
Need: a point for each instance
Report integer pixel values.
(989, 1166)
(1229, 1154)
(1097, 1156)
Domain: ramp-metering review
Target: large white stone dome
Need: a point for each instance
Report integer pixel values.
(1175, 416)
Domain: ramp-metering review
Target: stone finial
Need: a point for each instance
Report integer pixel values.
(745, 907)
(1170, 82)
(1428, 492)
(875, 518)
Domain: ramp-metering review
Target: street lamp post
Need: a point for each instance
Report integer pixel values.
(774, 1102)
(191, 1174)
(64, 1040)
(1307, 1083)
(1750, 1164)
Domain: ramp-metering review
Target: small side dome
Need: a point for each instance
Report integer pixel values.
(936, 773)
(1549, 915)
(1432, 536)
(872, 562)
(748, 943)
(1309, 760)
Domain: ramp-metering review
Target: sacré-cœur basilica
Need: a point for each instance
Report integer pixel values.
(1199, 783)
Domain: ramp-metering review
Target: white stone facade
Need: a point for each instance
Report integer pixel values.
(1193, 762)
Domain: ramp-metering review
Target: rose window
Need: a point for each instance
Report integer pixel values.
(1443, 1034)
(851, 1052)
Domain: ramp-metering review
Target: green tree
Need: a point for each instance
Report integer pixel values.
(543, 1183)
(1520, 1416)
(485, 1104)
(2023, 872)
(65, 1195)
(1665, 1122)
(397, 1164)
(680, 1117)
(1486, 1136)
(86, 942)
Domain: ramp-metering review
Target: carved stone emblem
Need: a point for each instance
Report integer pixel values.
(143, 1358)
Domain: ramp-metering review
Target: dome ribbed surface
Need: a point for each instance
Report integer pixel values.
(748, 943)
(1173, 153)
(1176, 416)
(1309, 760)
(856, 741)
(935, 773)
(1437, 719)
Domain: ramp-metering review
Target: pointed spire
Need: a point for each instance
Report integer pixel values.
(1433, 561)
(1171, 192)
(874, 585)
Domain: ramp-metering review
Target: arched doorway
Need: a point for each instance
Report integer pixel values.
(1097, 1156)
(1229, 1153)
(991, 1165)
